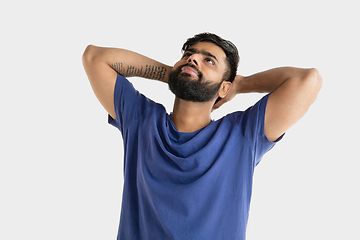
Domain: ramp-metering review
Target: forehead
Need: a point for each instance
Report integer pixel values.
(208, 47)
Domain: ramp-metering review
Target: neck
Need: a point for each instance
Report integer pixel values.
(191, 116)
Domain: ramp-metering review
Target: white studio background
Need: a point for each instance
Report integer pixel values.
(61, 163)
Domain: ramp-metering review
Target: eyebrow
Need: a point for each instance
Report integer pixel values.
(206, 53)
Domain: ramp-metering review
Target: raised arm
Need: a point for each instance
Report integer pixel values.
(293, 91)
(103, 64)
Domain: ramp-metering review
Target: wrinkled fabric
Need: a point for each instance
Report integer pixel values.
(186, 185)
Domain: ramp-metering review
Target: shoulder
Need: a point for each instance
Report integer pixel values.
(130, 104)
(250, 122)
(252, 113)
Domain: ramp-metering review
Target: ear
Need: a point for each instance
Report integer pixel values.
(224, 89)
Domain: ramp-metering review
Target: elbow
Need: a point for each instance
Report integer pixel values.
(312, 83)
(89, 54)
(315, 79)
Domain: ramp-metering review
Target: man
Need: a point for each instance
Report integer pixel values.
(186, 176)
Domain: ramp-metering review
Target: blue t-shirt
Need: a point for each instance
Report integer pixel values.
(186, 185)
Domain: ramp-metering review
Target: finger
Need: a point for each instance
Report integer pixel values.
(217, 105)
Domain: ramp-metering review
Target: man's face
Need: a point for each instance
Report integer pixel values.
(198, 75)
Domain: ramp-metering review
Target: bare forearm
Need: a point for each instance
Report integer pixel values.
(270, 80)
(131, 64)
(135, 65)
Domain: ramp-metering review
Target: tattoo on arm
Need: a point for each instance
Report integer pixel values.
(149, 71)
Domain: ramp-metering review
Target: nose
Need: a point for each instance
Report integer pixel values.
(194, 59)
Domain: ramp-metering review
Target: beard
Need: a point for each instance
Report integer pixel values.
(194, 90)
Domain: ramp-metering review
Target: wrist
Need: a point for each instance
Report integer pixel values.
(240, 83)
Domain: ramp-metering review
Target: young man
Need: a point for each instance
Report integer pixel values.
(186, 176)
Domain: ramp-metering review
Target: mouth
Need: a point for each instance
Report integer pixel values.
(189, 70)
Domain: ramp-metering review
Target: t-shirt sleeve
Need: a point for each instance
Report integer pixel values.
(252, 124)
(128, 104)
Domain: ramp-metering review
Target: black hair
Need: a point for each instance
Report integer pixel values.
(231, 52)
